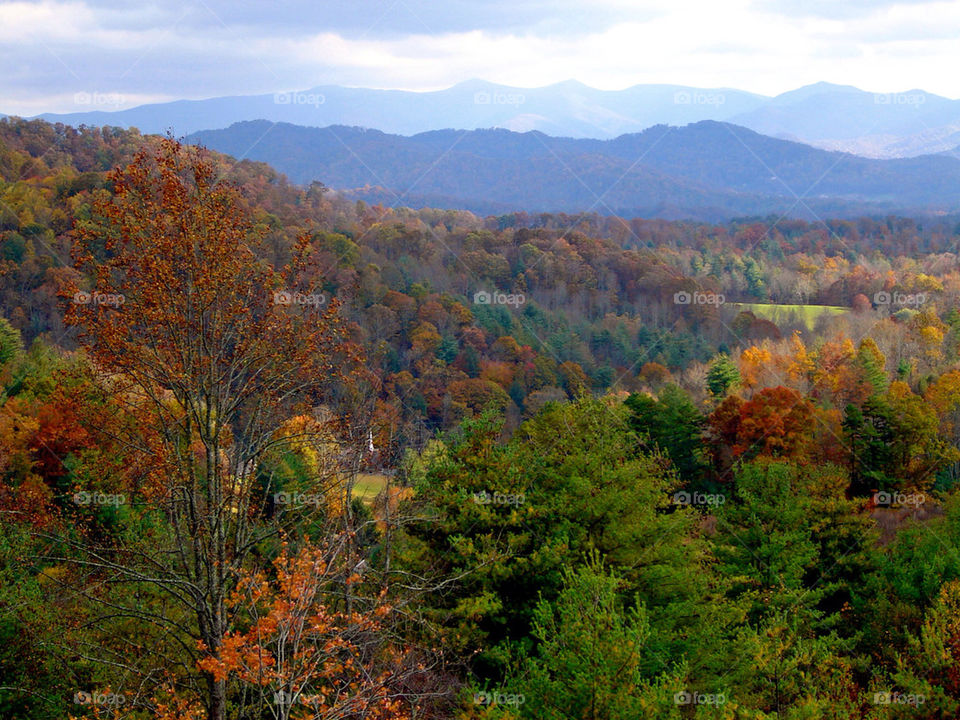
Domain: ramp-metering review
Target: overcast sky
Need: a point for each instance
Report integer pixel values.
(56, 52)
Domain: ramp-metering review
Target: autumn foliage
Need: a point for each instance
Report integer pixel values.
(310, 660)
(264, 454)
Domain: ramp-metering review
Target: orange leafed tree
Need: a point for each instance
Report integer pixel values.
(309, 659)
(196, 343)
(777, 422)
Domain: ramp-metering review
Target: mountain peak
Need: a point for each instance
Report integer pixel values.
(474, 85)
(818, 88)
(570, 84)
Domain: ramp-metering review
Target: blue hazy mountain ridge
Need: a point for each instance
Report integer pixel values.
(831, 116)
(824, 111)
(567, 108)
(704, 170)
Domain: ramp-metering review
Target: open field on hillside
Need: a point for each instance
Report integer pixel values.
(783, 314)
(369, 485)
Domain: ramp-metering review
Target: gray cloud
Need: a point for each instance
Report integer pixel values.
(202, 48)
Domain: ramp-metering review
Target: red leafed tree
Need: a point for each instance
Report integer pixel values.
(196, 343)
(723, 426)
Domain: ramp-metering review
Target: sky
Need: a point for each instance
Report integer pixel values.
(69, 55)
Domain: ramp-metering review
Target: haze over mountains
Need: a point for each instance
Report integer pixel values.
(903, 124)
(706, 170)
(651, 150)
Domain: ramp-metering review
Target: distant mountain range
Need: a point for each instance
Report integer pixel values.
(706, 170)
(903, 124)
(841, 117)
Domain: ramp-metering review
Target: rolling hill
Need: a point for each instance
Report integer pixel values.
(706, 170)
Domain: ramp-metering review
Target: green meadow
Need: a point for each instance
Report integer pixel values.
(784, 314)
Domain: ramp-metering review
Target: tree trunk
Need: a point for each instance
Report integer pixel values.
(217, 694)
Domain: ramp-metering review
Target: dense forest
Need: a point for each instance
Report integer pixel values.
(270, 452)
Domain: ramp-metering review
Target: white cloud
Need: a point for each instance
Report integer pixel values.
(53, 49)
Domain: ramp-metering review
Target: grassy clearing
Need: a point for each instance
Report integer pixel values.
(784, 314)
(368, 486)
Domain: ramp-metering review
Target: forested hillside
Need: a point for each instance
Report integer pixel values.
(267, 451)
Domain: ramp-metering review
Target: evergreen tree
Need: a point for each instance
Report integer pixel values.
(588, 662)
(675, 424)
(723, 376)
